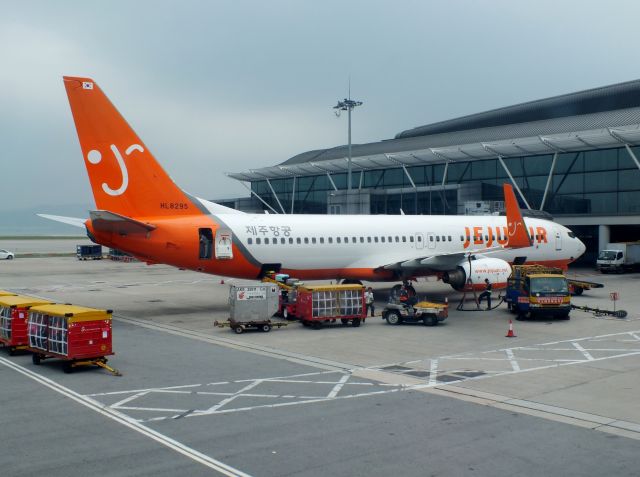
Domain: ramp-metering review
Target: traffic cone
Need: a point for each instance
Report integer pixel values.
(510, 333)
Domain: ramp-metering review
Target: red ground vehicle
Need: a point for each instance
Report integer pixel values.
(13, 320)
(316, 305)
(80, 336)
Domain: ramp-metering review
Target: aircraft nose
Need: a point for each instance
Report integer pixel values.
(581, 247)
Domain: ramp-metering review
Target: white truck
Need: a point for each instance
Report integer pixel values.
(619, 257)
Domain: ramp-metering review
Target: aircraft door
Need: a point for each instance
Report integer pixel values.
(205, 244)
(558, 240)
(419, 241)
(224, 241)
(431, 240)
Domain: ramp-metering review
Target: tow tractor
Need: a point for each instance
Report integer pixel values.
(414, 311)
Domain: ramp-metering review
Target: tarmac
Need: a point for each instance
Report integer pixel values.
(456, 399)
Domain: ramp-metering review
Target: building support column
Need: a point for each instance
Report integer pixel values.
(604, 236)
(293, 194)
(514, 182)
(546, 189)
(275, 196)
(633, 156)
(258, 197)
(333, 184)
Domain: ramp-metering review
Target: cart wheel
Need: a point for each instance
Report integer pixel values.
(392, 317)
(565, 316)
(305, 323)
(238, 329)
(68, 367)
(317, 325)
(577, 291)
(430, 320)
(355, 322)
(266, 327)
(344, 321)
(12, 351)
(35, 358)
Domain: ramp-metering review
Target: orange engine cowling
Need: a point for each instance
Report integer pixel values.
(470, 275)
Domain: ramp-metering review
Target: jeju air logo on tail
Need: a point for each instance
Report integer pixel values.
(95, 157)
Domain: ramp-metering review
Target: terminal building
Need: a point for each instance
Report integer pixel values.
(573, 157)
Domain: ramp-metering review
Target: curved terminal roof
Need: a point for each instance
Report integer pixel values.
(594, 119)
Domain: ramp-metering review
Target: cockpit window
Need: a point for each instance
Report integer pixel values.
(571, 234)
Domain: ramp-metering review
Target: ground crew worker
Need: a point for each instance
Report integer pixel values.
(368, 299)
(486, 294)
(404, 295)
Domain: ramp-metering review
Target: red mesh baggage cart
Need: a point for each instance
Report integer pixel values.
(13, 320)
(78, 335)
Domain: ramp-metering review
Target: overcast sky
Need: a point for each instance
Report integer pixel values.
(214, 87)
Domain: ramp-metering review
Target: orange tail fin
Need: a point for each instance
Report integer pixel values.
(124, 175)
(518, 235)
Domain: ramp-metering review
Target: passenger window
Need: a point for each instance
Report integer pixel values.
(369, 239)
(313, 240)
(249, 240)
(330, 239)
(353, 239)
(375, 239)
(298, 240)
(306, 240)
(282, 241)
(361, 239)
(266, 241)
(410, 238)
(404, 238)
(419, 238)
(321, 239)
(437, 238)
(338, 239)
(430, 238)
(397, 239)
(258, 241)
(291, 240)
(382, 239)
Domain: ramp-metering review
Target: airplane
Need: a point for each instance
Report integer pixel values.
(141, 211)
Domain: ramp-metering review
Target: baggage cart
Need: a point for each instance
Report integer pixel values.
(322, 304)
(241, 326)
(77, 335)
(13, 320)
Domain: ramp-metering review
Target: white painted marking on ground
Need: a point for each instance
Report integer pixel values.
(129, 391)
(512, 359)
(128, 399)
(127, 421)
(433, 372)
(336, 389)
(584, 352)
(634, 335)
(231, 398)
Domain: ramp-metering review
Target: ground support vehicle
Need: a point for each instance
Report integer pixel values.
(536, 290)
(77, 335)
(6, 293)
(89, 252)
(576, 287)
(619, 257)
(288, 294)
(6, 254)
(426, 312)
(13, 320)
(241, 326)
(326, 304)
(119, 256)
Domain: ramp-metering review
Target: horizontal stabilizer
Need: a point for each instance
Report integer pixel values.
(105, 221)
(76, 222)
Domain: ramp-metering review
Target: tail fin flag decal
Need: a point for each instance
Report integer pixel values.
(124, 175)
(516, 230)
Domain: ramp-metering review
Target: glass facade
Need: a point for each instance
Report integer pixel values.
(597, 182)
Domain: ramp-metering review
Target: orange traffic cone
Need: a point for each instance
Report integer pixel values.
(510, 333)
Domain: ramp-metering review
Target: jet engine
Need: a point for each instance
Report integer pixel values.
(469, 275)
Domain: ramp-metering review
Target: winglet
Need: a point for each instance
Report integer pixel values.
(518, 235)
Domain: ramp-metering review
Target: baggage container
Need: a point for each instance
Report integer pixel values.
(89, 252)
(254, 302)
(316, 305)
(78, 335)
(13, 320)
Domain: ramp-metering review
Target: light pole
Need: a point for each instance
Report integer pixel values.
(347, 105)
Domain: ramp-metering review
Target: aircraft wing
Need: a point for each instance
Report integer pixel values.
(440, 262)
(76, 222)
